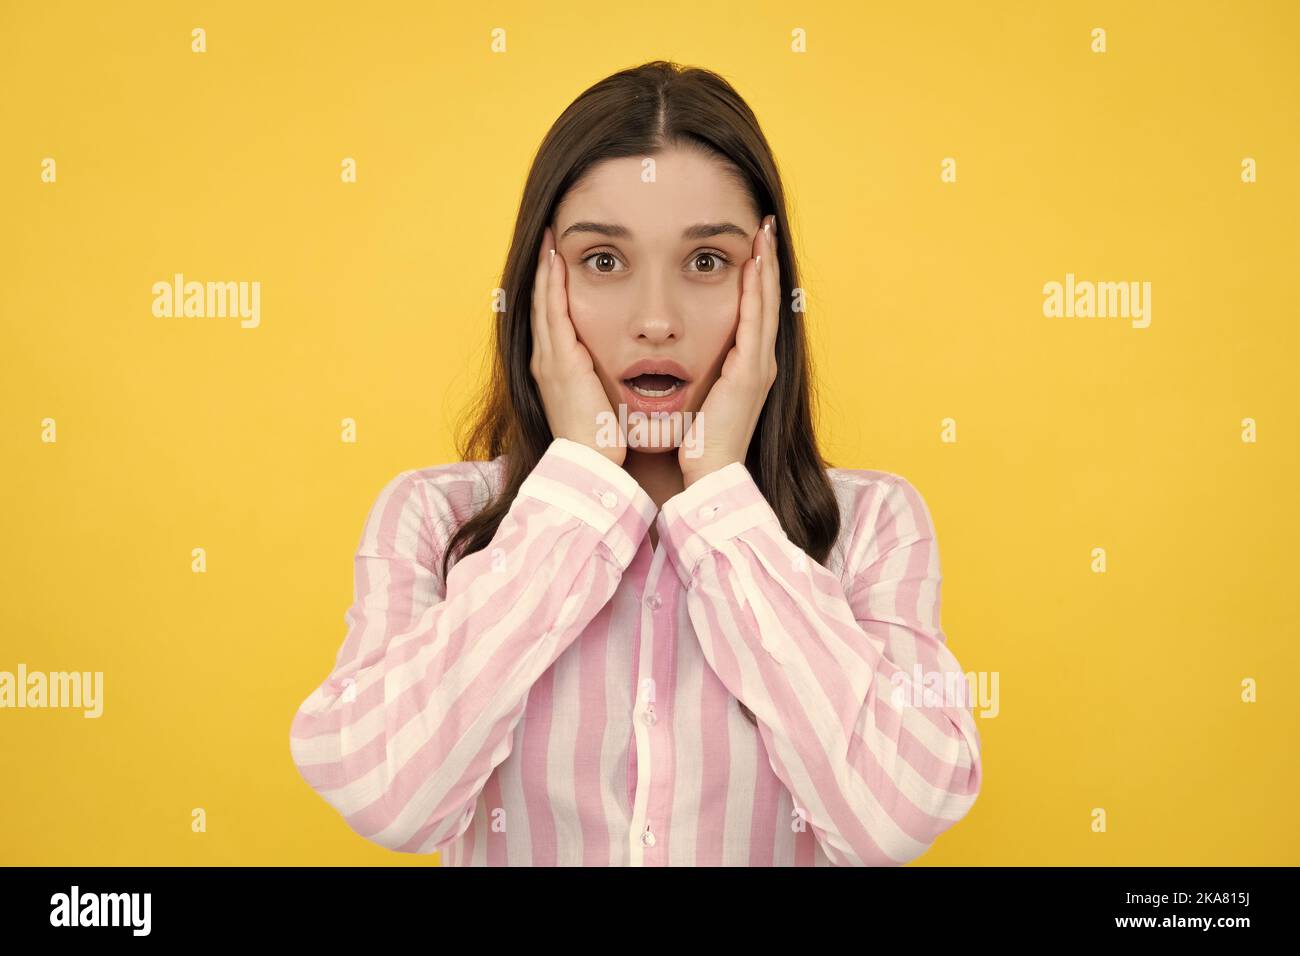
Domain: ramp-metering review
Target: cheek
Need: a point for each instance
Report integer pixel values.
(586, 304)
(719, 304)
(592, 304)
(715, 313)
(592, 295)
(596, 334)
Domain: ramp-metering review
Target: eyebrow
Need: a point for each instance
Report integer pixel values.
(702, 230)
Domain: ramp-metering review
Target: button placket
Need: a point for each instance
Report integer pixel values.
(653, 602)
(648, 671)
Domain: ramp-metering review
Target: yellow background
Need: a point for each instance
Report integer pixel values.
(1119, 690)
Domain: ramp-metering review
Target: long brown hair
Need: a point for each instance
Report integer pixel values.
(638, 112)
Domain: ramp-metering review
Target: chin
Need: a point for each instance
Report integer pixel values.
(653, 449)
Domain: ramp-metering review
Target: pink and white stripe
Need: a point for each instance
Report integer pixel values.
(568, 695)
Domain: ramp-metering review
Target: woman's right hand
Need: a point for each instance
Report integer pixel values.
(566, 376)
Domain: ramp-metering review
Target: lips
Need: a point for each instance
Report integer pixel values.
(655, 374)
(652, 401)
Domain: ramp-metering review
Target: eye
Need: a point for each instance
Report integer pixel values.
(710, 262)
(720, 264)
(604, 258)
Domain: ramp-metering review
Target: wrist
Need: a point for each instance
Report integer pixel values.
(700, 468)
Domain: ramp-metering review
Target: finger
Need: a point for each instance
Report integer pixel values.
(750, 299)
(749, 328)
(541, 332)
(559, 325)
(771, 275)
(756, 246)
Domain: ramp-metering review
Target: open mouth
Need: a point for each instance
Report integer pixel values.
(654, 386)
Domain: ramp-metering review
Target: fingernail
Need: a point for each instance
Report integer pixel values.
(758, 262)
(552, 255)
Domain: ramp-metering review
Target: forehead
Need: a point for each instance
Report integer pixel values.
(680, 188)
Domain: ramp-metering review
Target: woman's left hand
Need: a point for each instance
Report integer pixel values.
(725, 423)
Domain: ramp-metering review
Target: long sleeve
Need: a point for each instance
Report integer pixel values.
(433, 676)
(862, 708)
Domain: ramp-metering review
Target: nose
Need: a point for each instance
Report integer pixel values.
(656, 317)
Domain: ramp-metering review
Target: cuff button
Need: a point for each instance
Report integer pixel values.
(609, 499)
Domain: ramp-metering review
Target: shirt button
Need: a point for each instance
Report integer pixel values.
(609, 499)
(707, 512)
(647, 838)
(654, 601)
(649, 715)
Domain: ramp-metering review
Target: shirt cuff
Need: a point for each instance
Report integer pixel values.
(716, 508)
(580, 480)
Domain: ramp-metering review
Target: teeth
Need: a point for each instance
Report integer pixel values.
(651, 393)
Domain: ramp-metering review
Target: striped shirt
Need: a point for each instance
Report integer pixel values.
(569, 694)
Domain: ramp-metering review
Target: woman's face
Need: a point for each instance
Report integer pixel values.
(653, 256)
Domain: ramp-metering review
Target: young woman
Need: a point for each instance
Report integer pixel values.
(695, 646)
